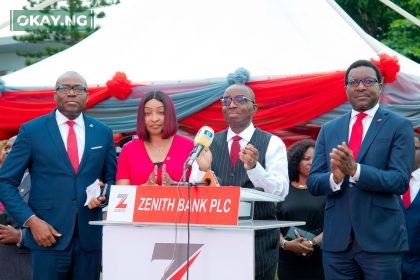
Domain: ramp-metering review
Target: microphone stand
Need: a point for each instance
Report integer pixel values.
(184, 175)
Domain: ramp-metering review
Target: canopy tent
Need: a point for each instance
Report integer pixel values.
(296, 52)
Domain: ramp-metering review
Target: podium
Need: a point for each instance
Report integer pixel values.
(134, 248)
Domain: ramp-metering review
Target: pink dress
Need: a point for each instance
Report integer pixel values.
(135, 164)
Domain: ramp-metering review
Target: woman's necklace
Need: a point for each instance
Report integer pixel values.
(299, 186)
(159, 148)
(156, 149)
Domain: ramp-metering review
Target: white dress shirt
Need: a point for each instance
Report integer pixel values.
(79, 128)
(414, 184)
(274, 178)
(366, 124)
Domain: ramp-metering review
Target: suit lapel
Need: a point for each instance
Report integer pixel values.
(376, 125)
(56, 139)
(343, 129)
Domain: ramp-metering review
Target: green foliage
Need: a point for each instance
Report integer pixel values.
(66, 37)
(386, 25)
(404, 37)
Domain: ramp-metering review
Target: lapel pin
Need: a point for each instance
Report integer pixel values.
(379, 120)
(91, 125)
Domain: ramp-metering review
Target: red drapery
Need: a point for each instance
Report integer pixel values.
(282, 103)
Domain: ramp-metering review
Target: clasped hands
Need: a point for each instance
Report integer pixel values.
(166, 179)
(342, 162)
(248, 155)
(300, 246)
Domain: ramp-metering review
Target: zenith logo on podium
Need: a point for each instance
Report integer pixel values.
(176, 254)
(122, 204)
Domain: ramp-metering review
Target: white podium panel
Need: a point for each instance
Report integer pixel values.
(157, 252)
(142, 241)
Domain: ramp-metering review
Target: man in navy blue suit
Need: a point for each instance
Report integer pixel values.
(411, 260)
(364, 228)
(62, 243)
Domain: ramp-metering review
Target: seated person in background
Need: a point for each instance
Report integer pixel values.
(296, 251)
(15, 258)
(157, 156)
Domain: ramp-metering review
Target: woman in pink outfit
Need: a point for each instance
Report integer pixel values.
(157, 156)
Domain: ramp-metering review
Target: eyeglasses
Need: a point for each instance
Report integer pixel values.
(65, 89)
(367, 82)
(239, 99)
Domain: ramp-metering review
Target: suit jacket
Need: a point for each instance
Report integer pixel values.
(57, 193)
(411, 259)
(370, 207)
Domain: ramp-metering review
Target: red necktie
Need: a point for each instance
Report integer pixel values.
(234, 149)
(72, 146)
(1, 208)
(357, 135)
(406, 197)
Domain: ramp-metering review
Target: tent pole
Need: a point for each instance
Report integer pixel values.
(402, 12)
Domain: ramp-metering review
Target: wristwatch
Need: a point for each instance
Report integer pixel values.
(313, 243)
(282, 243)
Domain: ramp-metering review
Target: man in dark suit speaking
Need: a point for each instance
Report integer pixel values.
(65, 152)
(364, 228)
(259, 160)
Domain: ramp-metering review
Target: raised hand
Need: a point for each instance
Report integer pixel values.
(204, 159)
(342, 159)
(151, 181)
(166, 179)
(249, 156)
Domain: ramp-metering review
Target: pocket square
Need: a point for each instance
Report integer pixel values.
(96, 147)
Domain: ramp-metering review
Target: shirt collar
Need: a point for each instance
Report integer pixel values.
(416, 174)
(371, 112)
(246, 134)
(61, 119)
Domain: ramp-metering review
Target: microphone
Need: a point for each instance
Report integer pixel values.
(202, 140)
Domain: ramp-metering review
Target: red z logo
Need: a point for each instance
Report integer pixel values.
(176, 254)
(122, 204)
